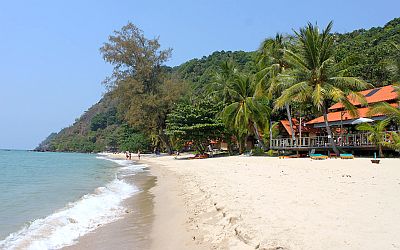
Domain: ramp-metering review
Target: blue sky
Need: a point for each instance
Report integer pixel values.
(51, 69)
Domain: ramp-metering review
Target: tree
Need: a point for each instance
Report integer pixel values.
(377, 133)
(219, 88)
(272, 63)
(394, 143)
(196, 123)
(131, 140)
(246, 113)
(316, 76)
(144, 90)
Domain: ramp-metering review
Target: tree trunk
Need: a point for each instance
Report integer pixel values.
(328, 129)
(239, 142)
(380, 151)
(256, 132)
(290, 121)
(246, 138)
(164, 138)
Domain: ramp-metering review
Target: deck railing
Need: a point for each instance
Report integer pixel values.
(357, 140)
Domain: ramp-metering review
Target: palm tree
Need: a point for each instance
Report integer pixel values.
(317, 77)
(272, 63)
(222, 80)
(246, 114)
(394, 63)
(395, 141)
(377, 133)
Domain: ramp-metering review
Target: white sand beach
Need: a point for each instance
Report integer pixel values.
(268, 203)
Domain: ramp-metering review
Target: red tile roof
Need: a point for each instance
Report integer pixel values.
(335, 116)
(382, 94)
(296, 127)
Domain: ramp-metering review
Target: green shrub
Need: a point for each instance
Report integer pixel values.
(272, 153)
(258, 152)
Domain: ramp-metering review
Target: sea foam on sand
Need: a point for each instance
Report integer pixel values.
(65, 226)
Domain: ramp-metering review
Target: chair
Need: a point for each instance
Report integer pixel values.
(346, 156)
(318, 156)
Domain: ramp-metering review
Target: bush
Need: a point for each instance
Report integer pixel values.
(258, 151)
(272, 152)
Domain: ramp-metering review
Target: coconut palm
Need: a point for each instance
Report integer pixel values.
(394, 63)
(222, 79)
(246, 114)
(377, 133)
(392, 113)
(316, 76)
(272, 63)
(394, 143)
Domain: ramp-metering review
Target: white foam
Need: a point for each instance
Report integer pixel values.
(128, 166)
(63, 227)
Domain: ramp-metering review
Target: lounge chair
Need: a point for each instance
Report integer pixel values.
(346, 156)
(318, 156)
(332, 155)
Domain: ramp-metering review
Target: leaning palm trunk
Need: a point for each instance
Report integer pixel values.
(257, 133)
(328, 129)
(290, 121)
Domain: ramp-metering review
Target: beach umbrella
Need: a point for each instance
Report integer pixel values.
(361, 120)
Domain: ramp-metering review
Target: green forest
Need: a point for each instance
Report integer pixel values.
(229, 96)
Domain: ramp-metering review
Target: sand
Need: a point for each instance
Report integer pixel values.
(155, 217)
(268, 203)
(259, 203)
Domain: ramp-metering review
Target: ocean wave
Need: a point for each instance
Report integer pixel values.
(63, 227)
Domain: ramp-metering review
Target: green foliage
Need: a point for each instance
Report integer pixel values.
(316, 77)
(102, 120)
(99, 121)
(143, 91)
(201, 72)
(196, 123)
(370, 48)
(272, 152)
(394, 141)
(377, 134)
(258, 151)
(134, 141)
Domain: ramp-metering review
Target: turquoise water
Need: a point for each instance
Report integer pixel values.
(54, 198)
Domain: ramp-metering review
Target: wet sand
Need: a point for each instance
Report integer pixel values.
(261, 203)
(133, 230)
(155, 217)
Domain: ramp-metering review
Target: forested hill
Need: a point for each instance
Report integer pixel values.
(200, 71)
(371, 49)
(102, 127)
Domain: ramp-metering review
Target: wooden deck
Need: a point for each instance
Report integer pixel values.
(347, 141)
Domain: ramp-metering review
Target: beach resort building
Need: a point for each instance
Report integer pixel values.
(311, 135)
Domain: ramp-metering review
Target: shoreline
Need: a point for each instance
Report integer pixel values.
(155, 217)
(243, 202)
(133, 229)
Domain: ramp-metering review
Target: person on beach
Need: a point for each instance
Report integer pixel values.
(127, 155)
(138, 154)
(130, 156)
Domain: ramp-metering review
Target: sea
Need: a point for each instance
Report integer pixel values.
(49, 200)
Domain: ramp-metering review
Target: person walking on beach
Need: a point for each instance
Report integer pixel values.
(127, 155)
(130, 156)
(138, 154)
